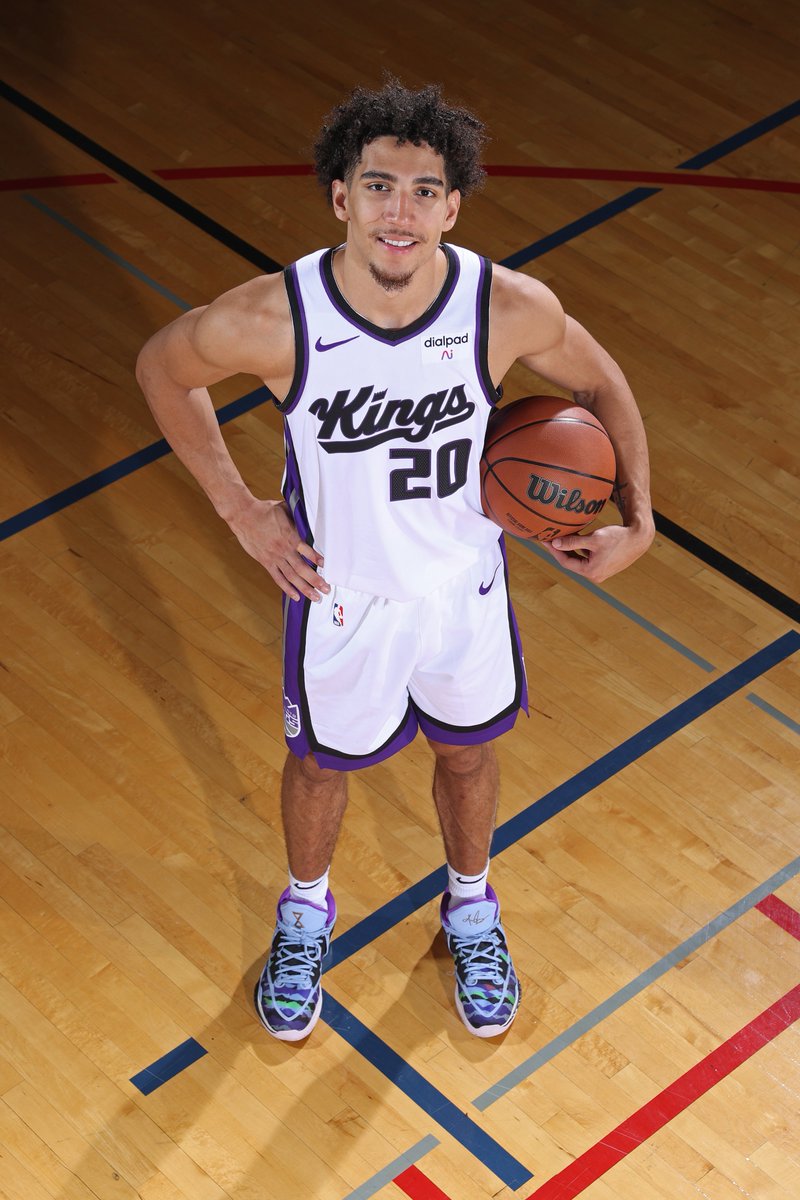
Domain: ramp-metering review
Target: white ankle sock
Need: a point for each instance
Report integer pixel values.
(314, 890)
(466, 887)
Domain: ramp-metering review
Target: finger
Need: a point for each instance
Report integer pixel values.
(572, 562)
(309, 553)
(304, 578)
(569, 541)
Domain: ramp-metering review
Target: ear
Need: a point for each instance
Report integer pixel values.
(339, 199)
(453, 205)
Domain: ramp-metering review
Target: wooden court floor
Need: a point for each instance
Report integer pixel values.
(644, 163)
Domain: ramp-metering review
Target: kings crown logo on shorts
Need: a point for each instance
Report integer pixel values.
(291, 717)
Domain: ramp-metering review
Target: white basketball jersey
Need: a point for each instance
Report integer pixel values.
(385, 428)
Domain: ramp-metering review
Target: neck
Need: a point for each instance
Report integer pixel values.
(388, 308)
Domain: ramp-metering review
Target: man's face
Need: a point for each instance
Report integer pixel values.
(396, 207)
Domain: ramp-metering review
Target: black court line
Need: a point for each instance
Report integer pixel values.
(139, 179)
(676, 533)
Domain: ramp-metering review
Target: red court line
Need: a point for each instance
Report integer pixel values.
(418, 1186)
(616, 1145)
(788, 918)
(45, 181)
(252, 171)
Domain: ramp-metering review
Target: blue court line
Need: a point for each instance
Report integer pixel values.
(606, 211)
(430, 1099)
(637, 985)
(118, 470)
(168, 1066)
(390, 914)
(390, 1172)
(117, 259)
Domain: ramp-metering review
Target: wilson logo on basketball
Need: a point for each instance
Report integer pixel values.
(366, 420)
(545, 491)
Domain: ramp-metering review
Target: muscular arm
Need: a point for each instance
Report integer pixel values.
(561, 351)
(246, 330)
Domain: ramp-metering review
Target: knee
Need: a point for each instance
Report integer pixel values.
(311, 773)
(461, 760)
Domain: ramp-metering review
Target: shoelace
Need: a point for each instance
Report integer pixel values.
(481, 959)
(297, 962)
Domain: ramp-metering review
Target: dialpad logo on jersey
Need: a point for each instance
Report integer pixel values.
(350, 423)
(446, 347)
(291, 717)
(338, 615)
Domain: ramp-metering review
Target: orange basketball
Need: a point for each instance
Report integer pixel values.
(547, 469)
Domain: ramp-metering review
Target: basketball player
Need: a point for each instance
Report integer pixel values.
(385, 356)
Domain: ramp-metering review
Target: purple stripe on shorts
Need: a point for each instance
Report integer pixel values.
(523, 699)
(327, 757)
(466, 737)
(295, 709)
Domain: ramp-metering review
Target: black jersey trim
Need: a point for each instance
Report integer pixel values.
(492, 393)
(391, 337)
(300, 327)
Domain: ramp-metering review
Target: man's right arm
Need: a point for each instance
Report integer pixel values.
(247, 330)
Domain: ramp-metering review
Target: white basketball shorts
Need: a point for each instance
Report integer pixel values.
(361, 674)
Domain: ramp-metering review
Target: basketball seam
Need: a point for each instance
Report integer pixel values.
(535, 462)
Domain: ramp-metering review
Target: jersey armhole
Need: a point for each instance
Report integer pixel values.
(300, 327)
(491, 393)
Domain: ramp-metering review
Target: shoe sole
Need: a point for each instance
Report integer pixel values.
(484, 1031)
(286, 1035)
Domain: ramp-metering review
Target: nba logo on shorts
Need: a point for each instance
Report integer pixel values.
(338, 614)
(291, 717)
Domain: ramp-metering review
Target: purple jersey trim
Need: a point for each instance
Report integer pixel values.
(390, 337)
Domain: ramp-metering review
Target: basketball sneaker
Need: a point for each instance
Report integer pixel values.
(487, 988)
(288, 996)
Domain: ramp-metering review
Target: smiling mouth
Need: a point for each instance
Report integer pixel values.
(398, 243)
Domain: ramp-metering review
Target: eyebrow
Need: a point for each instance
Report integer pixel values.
(433, 180)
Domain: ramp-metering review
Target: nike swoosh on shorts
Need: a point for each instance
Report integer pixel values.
(487, 587)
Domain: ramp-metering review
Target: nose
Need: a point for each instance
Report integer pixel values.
(398, 206)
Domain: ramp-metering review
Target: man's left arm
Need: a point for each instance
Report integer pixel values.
(579, 364)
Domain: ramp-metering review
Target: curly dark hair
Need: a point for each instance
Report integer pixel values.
(416, 117)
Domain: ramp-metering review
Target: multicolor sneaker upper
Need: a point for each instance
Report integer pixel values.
(288, 996)
(487, 988)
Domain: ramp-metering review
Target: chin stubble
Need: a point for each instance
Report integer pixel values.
(390, 283)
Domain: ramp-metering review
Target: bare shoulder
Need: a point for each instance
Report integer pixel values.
(248, 328)
(525, 317)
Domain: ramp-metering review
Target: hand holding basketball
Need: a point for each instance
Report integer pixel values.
(599, 555)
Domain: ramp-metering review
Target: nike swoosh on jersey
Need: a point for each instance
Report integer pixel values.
(487, 587)
(320, 345)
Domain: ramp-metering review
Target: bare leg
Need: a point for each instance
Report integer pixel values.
(313, 801)
(465, 790)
